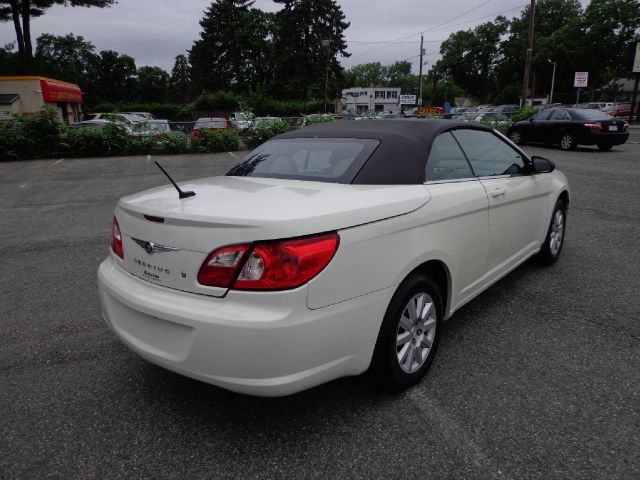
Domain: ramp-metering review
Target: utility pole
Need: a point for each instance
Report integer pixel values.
(421, 54)
(326, 43)
(553, 82)
(527, 62)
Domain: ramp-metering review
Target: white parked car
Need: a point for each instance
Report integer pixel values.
(327, 251)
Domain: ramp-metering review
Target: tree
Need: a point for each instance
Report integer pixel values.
(153, 85)
(180, 82)
(233, 50)
(372, 74)
(21, 12)
(111, 78)
(469, 57)
(8, 60)
(301, 60)
(375, 74)
(64, 57)
(608, 26)
(558, 34)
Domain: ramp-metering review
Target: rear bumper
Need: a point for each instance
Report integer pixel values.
(259, 343)
(594, 137)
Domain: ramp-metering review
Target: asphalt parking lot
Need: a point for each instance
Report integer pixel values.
(539, 377)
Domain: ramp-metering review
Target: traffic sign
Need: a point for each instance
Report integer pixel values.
(407, 99)
(581, 79)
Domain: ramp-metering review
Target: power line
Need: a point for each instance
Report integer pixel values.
(359, 42)
(520, 7)
(458, 17)
(429, 29)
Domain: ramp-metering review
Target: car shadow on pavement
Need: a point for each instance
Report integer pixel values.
(197, 403)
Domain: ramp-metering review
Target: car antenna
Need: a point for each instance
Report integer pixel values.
(181, 194)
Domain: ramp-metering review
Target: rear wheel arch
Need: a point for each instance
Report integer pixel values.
(439, 273)
(564, 196)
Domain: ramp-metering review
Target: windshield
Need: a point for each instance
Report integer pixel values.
(211, 124)
(594, 115)
(336, 160)
(159, 126)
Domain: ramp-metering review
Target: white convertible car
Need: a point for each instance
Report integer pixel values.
(327, 251)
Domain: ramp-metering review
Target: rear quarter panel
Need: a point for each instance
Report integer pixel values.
(382, 254)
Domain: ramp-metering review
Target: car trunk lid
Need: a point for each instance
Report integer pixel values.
(166, 239)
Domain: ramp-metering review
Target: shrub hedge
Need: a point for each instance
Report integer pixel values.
(45, 135)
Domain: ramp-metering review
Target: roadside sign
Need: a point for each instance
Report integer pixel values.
(581, 79)
(636, 60)
(407, 99)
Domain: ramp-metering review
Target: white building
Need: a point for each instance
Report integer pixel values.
(357, 100)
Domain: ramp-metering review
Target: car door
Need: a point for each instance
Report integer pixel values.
(460, 209)
(559, 121)
(517, 203)
(534, 127)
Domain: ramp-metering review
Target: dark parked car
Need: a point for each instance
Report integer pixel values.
(570, 127)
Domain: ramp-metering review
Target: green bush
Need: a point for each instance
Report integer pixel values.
(100, 142)
(265, 129)
(35, 136)
(216, 101)
(172, 143)
(523, 113)
(263, 105)
(211, 141)
(318, 118)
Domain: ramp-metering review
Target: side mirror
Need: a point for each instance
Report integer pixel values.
(542, 165)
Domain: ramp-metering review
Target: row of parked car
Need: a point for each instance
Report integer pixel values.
(566, 126)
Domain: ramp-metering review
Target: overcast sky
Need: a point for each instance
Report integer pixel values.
(155, 31)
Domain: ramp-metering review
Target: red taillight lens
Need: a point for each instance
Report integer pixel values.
(220, 267)
(116, 239)
(271, 265)
(594, 126)
(625, 126)
(287, 263)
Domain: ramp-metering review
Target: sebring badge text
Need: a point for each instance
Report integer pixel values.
(152, 267)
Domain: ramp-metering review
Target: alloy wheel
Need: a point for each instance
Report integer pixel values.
(416, 332)
(566, 142)
(516, 137)
(557, 232)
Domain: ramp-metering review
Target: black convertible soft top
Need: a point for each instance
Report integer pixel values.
(404, 145)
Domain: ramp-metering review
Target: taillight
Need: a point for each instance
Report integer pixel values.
(594, 126)
(116, 239)
(220, 267)
(625, 126)
(276, 265)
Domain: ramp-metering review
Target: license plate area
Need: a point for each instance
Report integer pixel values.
(613, 128)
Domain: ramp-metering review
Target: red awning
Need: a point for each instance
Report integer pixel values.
(60, 92)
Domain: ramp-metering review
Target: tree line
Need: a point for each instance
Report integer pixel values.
(244, 51)
(241, 50)
(487, 61)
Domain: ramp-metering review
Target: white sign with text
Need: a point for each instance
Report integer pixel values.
(407, 99)
(581, 79)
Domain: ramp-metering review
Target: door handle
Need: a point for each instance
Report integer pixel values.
(498, 192)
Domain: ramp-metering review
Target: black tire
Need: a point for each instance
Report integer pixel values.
(386, 365)
(604, 146)
(550, 252)
(567, 141)
(516, 136)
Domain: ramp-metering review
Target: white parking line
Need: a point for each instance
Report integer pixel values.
(23, 185)
(233, 155)
(56, 163)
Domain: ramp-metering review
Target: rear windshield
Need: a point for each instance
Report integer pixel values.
(335, 160)
(589, 114)
(211, 124)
